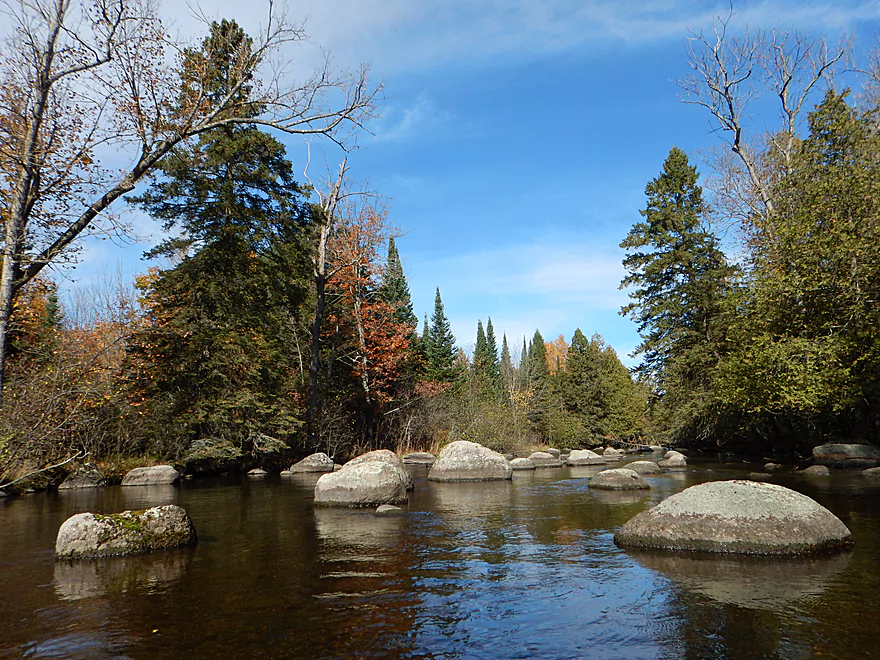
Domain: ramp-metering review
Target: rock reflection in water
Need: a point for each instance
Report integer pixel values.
(357, 531)
(617, 497)
(751, 582)
(146, 574)
(144, 497)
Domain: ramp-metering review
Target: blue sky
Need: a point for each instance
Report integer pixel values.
(516, 139)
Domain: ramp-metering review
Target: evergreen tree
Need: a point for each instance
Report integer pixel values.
(440, 349)
(580, 387)
(395, 290)
(681, 278)
(538, 383)
(213, 357)
(494, 371)
(508, 374)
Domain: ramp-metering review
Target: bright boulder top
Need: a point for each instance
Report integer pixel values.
(736, 517)
(468, 461)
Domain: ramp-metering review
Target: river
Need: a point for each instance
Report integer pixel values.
(521, 569)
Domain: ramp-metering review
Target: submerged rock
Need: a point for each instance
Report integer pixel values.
(772, 467)
(419, 458)
(846, 456)
(362, 485)
(584, 457)
(736, 517)
(542, 459)
(128, 533)
(816, 471)
(388, 510)
(319, 462)
(86, 476)
(257, 473)
(618, 479)
(384, 456)
(468, 461)
(521, 464)
(151, 476)
(759, 476)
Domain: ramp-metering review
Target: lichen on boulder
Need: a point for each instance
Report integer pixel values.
(88, 535)
(384, 456)
(736, 517)
(366, 484)
(618, 479)
(318, 462)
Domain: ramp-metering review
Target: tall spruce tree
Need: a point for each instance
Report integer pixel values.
(395, 289)
(538, 383)
(440, 349)
(213, 357)
(508, 373)
(680, 278)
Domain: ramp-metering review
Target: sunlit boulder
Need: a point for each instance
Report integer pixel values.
(736, 517)
(518, 464)
(468, 461)
(542, 459)
(151, 476)
(584, 457)
(385, 456)
(366, 484)
(644, 467)
(319, 462)
(618, 479)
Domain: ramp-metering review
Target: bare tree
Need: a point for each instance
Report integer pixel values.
(86, 78)
(728, 73)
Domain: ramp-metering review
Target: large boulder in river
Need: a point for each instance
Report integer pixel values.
(362, 485)
(736, 517)
(846, 456)
(618, 479)
(644, 467)
(468, 461)
(319, 462)
(816, 471)
(384, 456)
(584, 457)
(151, 476)
(543, 459)
(86, 476)
(419, 458)
(87, 535)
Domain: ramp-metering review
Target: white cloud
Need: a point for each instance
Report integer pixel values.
(420, 118)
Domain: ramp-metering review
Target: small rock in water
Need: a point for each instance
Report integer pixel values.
(581, 457)
(286, 473)
(521, 464)
(644, 467)
(674, 462)
(543, 459)
(151, 476)
(618, 479)
(873, 473)
(817, 471)
(318, 462)
(419, 458)
(388, 510)
(759, 476)
(257, 473)
(772, 467)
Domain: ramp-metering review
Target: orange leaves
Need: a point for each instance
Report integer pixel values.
(557, 353)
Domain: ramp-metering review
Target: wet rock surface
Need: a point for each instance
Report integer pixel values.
(87, 535)
(736, 517)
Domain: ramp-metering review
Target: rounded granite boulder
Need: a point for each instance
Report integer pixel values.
(816, 471)
(468, 461)
(673, 461)
(618, 479)
(742, 517)
(542, 459)
(644, 467)
(846, 455)
(580, 457)
(384, 456)
(368, 484)
(319, 462)
(86, 476)
(89, 535)
(521, 464)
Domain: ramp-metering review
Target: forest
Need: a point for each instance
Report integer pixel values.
(276, 319)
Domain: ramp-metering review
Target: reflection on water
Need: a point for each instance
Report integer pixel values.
(89, 578)
(768, 583)
(522, 568)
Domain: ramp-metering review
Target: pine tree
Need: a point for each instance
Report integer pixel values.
(538, 383)
(395, 290)
(440, 351)
(508, 374)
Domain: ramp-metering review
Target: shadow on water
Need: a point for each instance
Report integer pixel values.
(522, 568)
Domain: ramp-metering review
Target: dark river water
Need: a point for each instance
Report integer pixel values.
(522, 569)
